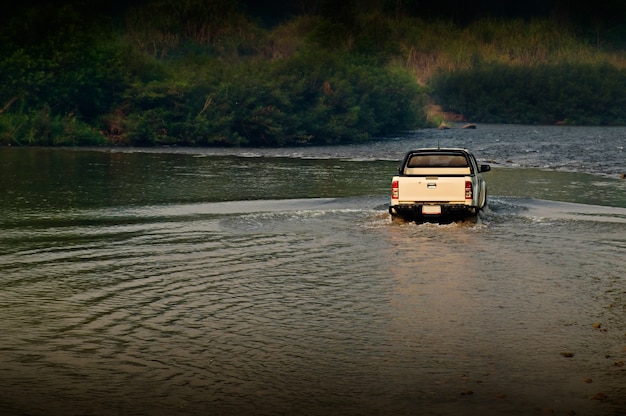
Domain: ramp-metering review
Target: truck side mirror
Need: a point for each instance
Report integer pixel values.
(485, 168)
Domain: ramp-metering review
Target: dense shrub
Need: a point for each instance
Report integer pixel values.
(48, 129)
(569, 93)
(61, 60)
(60, 74)
(312, 98)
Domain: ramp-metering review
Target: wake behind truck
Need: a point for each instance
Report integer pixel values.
(433, 183)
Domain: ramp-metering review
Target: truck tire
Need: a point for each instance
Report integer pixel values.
(483, 199)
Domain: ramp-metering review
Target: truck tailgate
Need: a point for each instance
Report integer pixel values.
(432, 189)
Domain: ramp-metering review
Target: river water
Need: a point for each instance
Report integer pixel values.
(273, 282)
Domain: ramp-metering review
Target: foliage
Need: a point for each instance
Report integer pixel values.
(312, 98)
(566, 93)
(60, 77)
(197, 72)
(61, 62)
(167, 28)
(45, 128)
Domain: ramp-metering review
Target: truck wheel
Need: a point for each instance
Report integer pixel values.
(483, 201)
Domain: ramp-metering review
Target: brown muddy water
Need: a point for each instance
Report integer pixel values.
(272, 282)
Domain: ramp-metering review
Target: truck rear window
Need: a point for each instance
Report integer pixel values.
(437, 161)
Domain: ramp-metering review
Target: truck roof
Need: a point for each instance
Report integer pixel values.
(439, 150)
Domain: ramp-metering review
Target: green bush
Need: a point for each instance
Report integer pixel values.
(43, 128)
(312, 98)
(569, 93)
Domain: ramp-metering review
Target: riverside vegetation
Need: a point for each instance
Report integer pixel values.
(199, 73)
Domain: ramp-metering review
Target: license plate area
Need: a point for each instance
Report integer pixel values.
(431, 209)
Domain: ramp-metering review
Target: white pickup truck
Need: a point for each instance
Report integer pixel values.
(435, 183)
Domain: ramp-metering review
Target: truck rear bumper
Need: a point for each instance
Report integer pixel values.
(417, 211)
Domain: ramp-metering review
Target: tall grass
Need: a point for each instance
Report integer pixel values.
(163, 27)
(432, 47)
(426, 47)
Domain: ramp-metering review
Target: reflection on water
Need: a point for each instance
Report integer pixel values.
(163, 283)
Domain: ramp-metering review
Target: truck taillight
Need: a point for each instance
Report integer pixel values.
(468, 190)
(395, 190)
